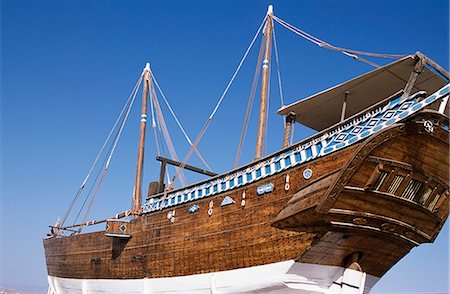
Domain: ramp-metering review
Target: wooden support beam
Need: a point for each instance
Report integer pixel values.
(374, 177)
(344, 105)
(387, 181)
(91, 223)
(161, 176)
(443, 105)
(187, 166)
(418, 68)
(290, 119)
(434, 65)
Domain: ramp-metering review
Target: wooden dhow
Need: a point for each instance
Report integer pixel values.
(330, 214)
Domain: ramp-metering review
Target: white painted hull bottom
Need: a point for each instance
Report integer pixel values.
(280, 277)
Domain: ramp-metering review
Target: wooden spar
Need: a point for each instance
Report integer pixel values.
(443, 105)
(162, 172)
(418, 68)
(290, 119)
(185, 166)
(164, 161)
(264, 84)
(91, 223)
(137, 195)
(344, 106)
(434, 65)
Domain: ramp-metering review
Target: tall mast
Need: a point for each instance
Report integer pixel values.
(137, 195)
(264, 84)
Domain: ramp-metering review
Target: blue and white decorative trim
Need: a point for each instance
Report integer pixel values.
(320, 145)
(371, 123)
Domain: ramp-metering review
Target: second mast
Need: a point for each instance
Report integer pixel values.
(137, 195)
(265, 81)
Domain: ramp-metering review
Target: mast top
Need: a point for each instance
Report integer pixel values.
(146, 68)
(270, 10)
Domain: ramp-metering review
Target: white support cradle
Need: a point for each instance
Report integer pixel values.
(281, 277)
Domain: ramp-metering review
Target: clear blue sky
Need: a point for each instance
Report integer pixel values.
(68, 66)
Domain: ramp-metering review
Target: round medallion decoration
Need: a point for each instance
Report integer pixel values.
(307, 174)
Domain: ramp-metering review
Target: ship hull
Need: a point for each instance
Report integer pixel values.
(232, 237)
(351, 210)
(282, 277)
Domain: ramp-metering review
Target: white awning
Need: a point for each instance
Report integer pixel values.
(323, 110)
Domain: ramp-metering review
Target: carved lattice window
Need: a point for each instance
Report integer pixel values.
(423, 199)
(434, 202)
(411, 189)
(395, 184)
(380, 181)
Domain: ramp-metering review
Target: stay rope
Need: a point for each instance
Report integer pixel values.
(188, 139)
(158, 151)
(111, 153)
(159, 122)
(88, 194)
(208, 121)
(100, 152)
(348, 52)
(264, 147)
(165, 131)
(249, 104)
(275, 47)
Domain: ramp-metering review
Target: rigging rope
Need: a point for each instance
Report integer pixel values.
(111, 153)
(283, 118)
(349, 52)
(161, 139)
(89, 193)
(237, 70)
(264, 149)
(93, 198)
(208, 121)
(165, 131)
(249, 104)
(100, 152)
(154, 127)
(278, 67)
(178, 122)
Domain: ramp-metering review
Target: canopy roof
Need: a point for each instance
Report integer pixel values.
(323, 110)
